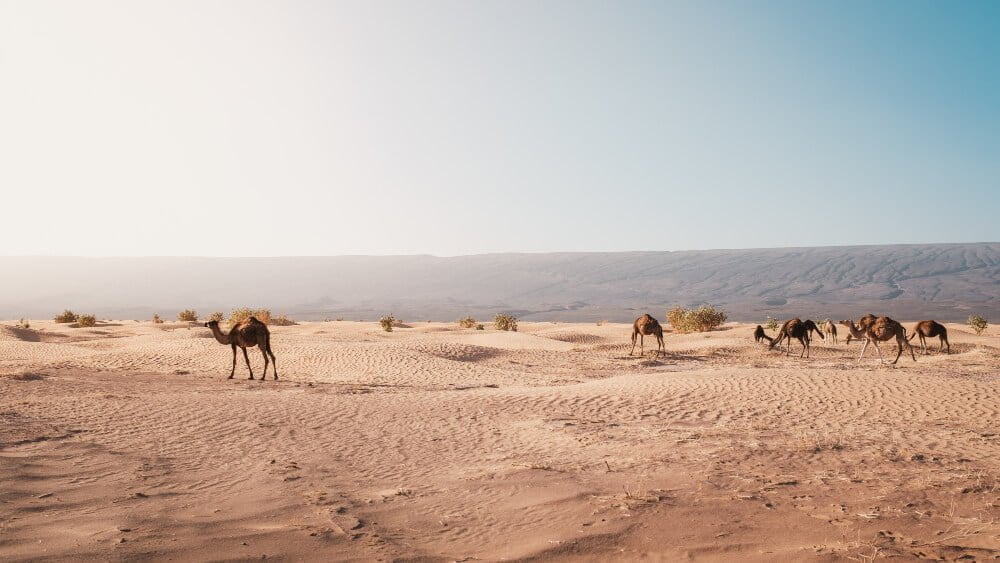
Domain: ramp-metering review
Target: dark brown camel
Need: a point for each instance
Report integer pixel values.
(884, 329)
(646, 325)
(857, 332)
(798, 329)
(759, 334)
(930, 329)
(247, 334)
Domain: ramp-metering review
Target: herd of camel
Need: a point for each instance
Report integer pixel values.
(251, 332)
(870, 329)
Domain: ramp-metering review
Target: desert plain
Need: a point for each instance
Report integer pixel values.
(126, 441)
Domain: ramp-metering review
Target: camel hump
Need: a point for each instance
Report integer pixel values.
(253, 319)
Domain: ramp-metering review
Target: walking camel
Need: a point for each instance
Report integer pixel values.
(247, 334)
(858, 331)
(646, 325)
(930, 329)
(798, 329)
(830, 329)
(759, 334)
(884, 329)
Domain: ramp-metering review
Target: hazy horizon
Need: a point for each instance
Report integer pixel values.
(449, 128)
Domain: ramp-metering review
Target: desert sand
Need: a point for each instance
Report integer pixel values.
(126, 441)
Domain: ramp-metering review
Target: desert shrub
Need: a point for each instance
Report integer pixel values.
(244, 313)
(157, 319)
(978, 323)
(480, 327)
(772, 323)
(66, 316)
(217, 317)
(504, 321)
(23, 324)
(467, 322)
(283, 320)
(386, 322)
(86, 320)
(339, 319)
(702, 319)
(187, 315)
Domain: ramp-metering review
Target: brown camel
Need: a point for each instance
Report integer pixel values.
(858, 331)
(884, 329)
(830, 329)
(247, 334)
(798, 329)
(759, 334)
(646, 325)
(930, 329)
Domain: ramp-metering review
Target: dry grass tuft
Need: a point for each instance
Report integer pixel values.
(85, 321)
(188, 315)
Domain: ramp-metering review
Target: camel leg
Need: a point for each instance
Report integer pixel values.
(232, 372)
(907, 342)
(642, 344)
(631, 352)
(881, 360)
(660, 345)
(923, 343)
(274, 362)
(804, 341)
(863, 348)
(247, 358)
(944, 340)
(263, 352)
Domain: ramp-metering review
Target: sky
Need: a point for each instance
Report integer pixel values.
(301, 128)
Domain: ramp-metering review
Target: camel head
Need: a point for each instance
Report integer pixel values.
(809, 325)
(211, 324)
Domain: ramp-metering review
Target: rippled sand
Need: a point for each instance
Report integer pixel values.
(127, 441)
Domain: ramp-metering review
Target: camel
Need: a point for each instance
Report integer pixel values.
(930, 329)
(247, 334)
(884, 329)
(858, 331)
(758, 335)
(646, 325)
(830, 329)
(798, 329)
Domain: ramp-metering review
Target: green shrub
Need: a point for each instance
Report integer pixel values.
(702, 319)
(772, 323)
(188, 315)
(467, 322)
(66, 316)
(244, 313)
(504, 321)
(386, 322)
(86, 320)
(978, 323)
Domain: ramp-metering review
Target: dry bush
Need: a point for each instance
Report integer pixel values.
(282, 320)
(188, 315)
(702, 319)
(217, 317)
(387, 322)
(157, 320)
(772, 323)
(504, 321)
(86, 320)
(480, 327)
(467, 322)
(23, 323)
(978, 323)
(244, 313)
(66, 316)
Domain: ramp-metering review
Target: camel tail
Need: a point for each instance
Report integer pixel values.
(910, 337)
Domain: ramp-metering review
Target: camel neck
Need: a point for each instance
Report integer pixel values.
(219, 335)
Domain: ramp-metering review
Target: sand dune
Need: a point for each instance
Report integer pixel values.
(126, 441)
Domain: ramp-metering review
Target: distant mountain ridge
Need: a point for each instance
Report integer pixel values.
(943, 281)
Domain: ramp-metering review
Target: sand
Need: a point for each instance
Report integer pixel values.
(126, 441)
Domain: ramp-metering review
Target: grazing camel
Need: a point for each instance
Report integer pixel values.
(647, 325)
(759, 334)
(858, 331)
(830, 329)
(930, 329)
(884, 329)
(798, 329)
(247, 334)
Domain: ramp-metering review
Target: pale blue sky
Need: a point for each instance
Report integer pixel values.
(322, 128)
